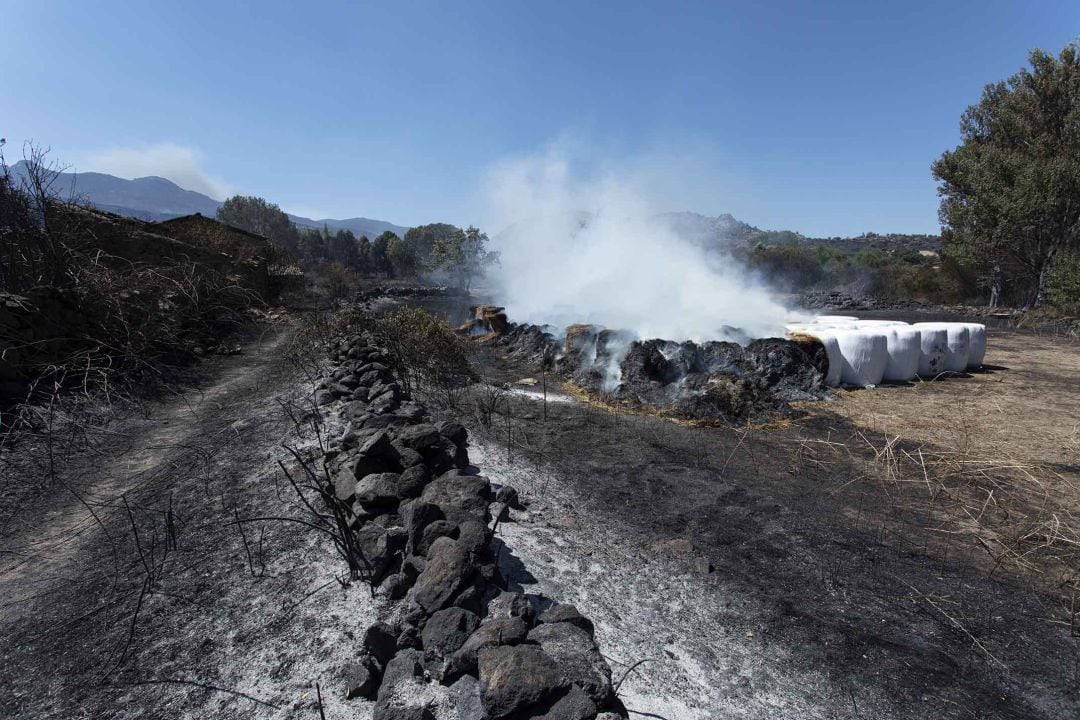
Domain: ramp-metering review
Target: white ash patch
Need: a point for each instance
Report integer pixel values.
(709, 651)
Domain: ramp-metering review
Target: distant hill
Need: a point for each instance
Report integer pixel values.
(359, 225)
(725, 232)
(155, 198)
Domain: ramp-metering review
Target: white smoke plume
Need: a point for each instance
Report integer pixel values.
(181, 164)
(581, 249)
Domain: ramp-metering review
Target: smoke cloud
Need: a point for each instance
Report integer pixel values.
(583, 246)
(182, 165)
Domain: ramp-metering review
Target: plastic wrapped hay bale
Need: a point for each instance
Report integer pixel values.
(958, 340)
(904, 347)
(865, 355)
(933, 344)
(976, 345)
(878, 323)
(832, 352)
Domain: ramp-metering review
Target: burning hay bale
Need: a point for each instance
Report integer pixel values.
(710, 382)
(488, 321)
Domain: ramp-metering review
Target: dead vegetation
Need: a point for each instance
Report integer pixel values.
(957, 503)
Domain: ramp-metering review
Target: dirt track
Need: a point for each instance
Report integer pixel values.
(216, 636)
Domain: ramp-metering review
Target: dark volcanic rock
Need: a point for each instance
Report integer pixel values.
(509, 604)
(501, 631)
(448, 569)
(379, 489)
(577, 656)
(514, 678)
(419, 437)
(361, 680)
(566, 613)
(416, 516)
(413, 481)
(460, 497)
(508, 494)
(380, 546)
(434, 531)
(381, 641)
(454, 431)
(575, 704)
(447, 630)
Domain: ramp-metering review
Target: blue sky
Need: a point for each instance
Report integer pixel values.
(819, 117)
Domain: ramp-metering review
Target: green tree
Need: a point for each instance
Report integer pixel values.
(422, 239)
(342, 248)
(380, 255)
(402, 258)
(1010, 193)
(256, 215)
(363, 248)
(463, 255)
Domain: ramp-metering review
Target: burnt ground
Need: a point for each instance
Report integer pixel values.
(220, 631)
(848, 577)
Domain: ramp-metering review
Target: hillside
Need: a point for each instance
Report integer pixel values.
(725, 232)
(156, 198)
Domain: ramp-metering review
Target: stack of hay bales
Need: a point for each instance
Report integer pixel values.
(865, 353)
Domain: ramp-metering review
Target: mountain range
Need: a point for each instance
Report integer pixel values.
(155, 198)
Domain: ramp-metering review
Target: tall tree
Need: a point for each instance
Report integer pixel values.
(342, 248)
(463, 255)
(256, 215)
(363, 248)
(421, 240)
(1010, 193)
(380, 255)
(402, 258)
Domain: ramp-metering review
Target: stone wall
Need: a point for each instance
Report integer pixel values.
(457, 643)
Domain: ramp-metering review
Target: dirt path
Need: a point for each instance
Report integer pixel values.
(177, 428)
(184, 618)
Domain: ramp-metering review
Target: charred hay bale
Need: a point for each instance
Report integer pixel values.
(578, 338)
(491, 317)
(719, 397)
(534, 345)
(791, 369)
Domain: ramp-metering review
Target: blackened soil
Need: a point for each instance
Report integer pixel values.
(853, 583)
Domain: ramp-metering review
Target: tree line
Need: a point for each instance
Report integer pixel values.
(457, 255)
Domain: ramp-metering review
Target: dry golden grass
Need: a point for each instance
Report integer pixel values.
(986, 462)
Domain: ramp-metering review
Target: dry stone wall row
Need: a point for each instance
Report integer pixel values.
(456, 643)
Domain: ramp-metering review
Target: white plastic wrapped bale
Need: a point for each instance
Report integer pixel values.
(976, 345)
(832, 352)
(933, 345)
(957, 348)
(865, 355)
(904, 347)
(878, 323)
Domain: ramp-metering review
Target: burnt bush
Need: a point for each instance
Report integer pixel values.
(75, 315)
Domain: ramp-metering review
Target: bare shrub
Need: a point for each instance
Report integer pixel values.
(426, 352)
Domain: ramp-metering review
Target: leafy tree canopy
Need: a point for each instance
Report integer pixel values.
(1010, 193)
